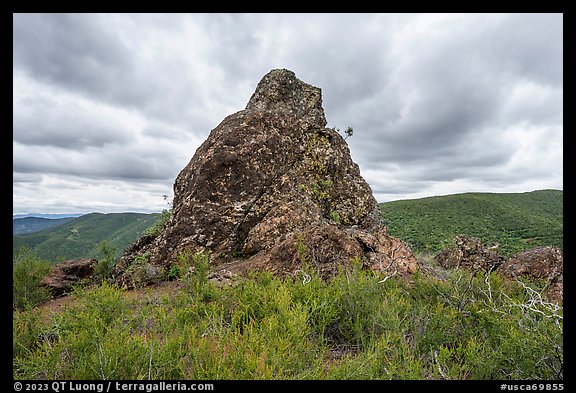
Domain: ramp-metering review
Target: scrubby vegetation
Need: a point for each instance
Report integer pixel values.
(435, 324)
(27, 272)
(106, 261)
(517, 221)
(156, 228)
(359, 325)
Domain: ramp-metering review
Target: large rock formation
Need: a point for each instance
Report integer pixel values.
(271, 188)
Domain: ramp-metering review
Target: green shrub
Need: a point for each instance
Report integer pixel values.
(335, 217)
(174, 273)
(28, 271)
(157, 227)
(106, 263)
(142, 273)
(196, 280)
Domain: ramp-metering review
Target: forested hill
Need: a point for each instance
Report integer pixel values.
(21, 226)
(79, 238)
(517, 221)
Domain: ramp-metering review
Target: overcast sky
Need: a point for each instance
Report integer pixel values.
(108, 108)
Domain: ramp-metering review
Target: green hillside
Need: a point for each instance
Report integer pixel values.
(517, 221)
(21, 226)
(79, 237)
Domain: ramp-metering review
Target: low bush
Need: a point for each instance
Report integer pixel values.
(28, 271)
(158, 225)
(106, 262)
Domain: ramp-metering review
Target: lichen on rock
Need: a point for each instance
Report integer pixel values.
(267, 176)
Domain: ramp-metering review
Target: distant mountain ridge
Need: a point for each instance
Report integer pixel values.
(79, 237)
(516, 221)
(50, 216)
(25, 225)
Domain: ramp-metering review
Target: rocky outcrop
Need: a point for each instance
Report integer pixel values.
(539, 263)
(327, 248)
(470, 253)
(544, 263)
(65, 274)
(271, 180)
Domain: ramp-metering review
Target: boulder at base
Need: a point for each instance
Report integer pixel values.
(272, 187)
(65, 274)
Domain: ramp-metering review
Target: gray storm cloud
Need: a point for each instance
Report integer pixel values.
(440, 103)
